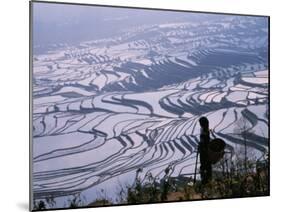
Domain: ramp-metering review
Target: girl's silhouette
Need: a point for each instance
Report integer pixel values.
(206, 165)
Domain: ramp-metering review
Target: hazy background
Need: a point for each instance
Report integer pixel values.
(71, 24)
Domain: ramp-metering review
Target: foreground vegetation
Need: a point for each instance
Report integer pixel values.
(228, 182)
(231, 179)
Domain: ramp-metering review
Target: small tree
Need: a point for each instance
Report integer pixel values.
(76, 201)
(243, 129)
(39, 205)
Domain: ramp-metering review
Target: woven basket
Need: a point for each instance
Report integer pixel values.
(216, 150)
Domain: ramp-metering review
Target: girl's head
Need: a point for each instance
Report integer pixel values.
(204, 122)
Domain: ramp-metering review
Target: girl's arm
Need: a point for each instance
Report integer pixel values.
(211, 131)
